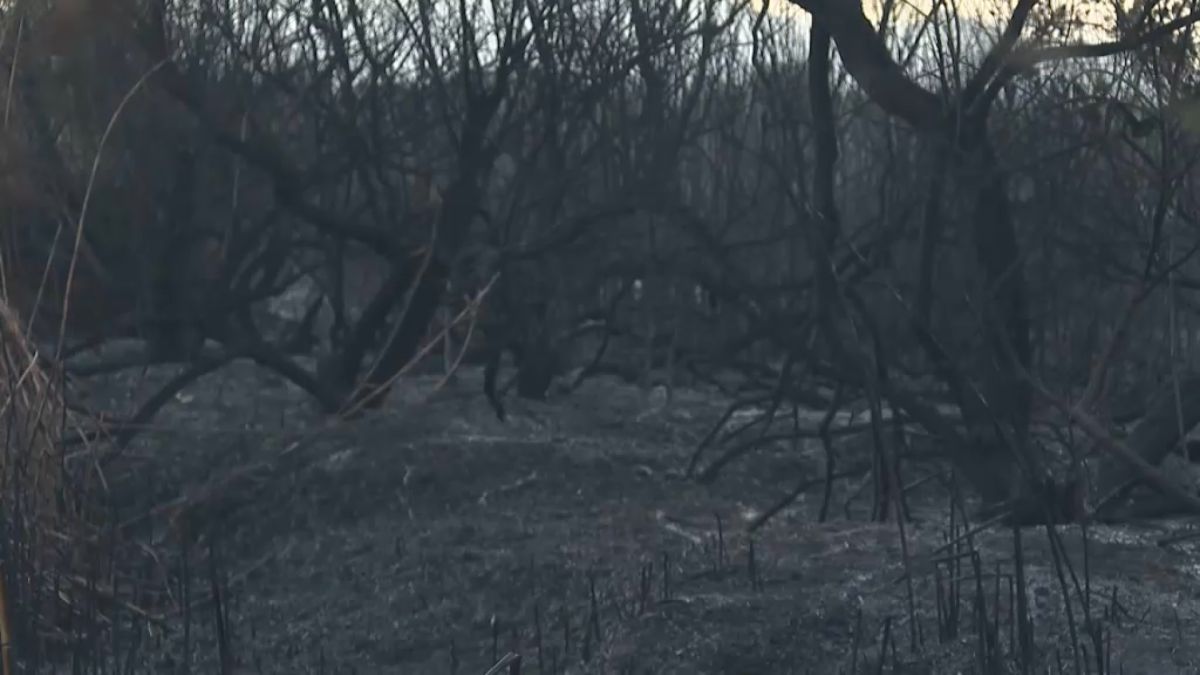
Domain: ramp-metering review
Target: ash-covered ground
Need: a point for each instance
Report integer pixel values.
(432, 538)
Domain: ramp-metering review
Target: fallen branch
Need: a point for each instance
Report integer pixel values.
(508, 487)
(1146, 472)
(510, 661)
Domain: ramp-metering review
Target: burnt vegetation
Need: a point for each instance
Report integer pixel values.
(942, 259)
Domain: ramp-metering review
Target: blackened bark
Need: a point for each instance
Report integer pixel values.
(426, 281)
(998, 414)
(1000, 427)
(932, 225)
(868, 61)
(406, 342)
(1006, 307)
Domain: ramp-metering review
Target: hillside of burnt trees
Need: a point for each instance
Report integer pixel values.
(975, 225)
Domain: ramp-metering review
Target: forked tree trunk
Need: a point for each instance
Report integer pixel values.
(994, 396)
(992, 391)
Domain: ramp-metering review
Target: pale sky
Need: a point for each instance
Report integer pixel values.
(973, 9)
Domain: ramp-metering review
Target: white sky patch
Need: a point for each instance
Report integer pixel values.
(990, 14)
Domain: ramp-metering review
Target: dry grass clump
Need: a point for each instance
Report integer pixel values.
(45, 528)
(31, 422)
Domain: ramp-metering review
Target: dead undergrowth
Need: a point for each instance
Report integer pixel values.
(430, 538)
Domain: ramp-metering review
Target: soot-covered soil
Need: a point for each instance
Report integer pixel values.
(431, 538)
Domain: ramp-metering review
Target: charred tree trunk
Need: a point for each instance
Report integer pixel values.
(174, 322)
(997, 410)
(423, 302)
(993, 392)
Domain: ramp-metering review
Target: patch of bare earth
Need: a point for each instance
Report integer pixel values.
(431, 538)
